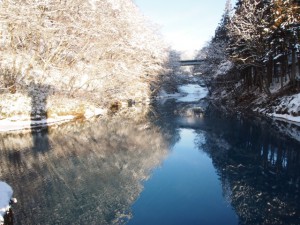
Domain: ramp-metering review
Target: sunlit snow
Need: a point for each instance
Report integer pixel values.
(193, 92)
(5, 196)
(291, 105)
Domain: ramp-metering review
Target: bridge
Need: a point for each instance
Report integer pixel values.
(190, 62)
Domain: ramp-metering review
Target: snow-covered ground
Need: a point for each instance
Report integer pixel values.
(5, 196)
(15, 124)
(287, 108)
(18, 123)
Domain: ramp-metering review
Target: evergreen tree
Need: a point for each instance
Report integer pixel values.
(284, 35)
(221, 33)
(247, 39)
(214, 53)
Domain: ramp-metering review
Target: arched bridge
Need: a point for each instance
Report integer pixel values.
(190, 62)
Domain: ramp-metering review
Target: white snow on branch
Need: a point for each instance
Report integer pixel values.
(224, 67)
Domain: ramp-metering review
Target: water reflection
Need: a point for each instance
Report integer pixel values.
(185, 190)
(39, 95)
(258, 167)
(92, 174)
(96, 170)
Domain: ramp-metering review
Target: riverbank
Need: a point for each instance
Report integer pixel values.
(281, 105)
(22, 112)
(21, 116)
(62, 67)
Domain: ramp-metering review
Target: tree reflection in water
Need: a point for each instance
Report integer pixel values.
(259, 167)
(259, 170)
(95, 170)
(39, 94)
(92, 175)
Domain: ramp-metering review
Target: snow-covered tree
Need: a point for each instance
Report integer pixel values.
(214, 53)
(97, 50)
(284, 32)
(256, 46)
(221, 33)
(262, 32)
(246, 31)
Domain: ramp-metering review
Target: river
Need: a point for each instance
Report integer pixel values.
(177, 167)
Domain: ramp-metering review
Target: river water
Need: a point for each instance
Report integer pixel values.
(174, 168)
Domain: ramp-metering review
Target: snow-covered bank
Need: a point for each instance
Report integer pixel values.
(18, 111)
(282, 106)
(285, 111)
(187, 93)
(193, 92)
(163, 95)
(15, 123)
(5, 196)
(190, 101)
(286, 108)
(52, 75)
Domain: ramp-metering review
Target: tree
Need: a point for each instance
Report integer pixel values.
(84, 48)
(284, 34)
(214, 53)
(221, 33)
(248, 46)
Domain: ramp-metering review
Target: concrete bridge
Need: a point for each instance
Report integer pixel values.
(192, 62)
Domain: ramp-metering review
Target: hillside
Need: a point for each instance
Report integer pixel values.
(71, 59)
(252, 64)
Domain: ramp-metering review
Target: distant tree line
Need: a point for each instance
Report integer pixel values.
(260, 39)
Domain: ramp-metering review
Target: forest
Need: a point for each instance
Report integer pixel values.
(72, 57)
(254, 56)
(86, 57)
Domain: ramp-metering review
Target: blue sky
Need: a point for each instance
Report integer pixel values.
(186, 24)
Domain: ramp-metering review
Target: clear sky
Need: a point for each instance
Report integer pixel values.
(186, 24)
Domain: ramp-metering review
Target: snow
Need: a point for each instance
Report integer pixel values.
(19, 123)
(285, 117)
(163, 96)
(5, 196)
(290, 107)
(187, 93)
(192, 92)
(277, 56)
(15, 124)
(289, 129)
(91, 113)
(276, 85)
(223, 68)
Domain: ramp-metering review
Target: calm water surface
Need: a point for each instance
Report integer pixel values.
(170, 169)
(185, 189)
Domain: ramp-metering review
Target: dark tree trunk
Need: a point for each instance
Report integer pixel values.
(293, 73)
(259, 71)
(270, 71)
(282, 70)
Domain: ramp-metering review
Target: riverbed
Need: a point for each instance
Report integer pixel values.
(176, 167)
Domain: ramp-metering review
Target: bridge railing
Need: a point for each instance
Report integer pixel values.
(190, 62)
